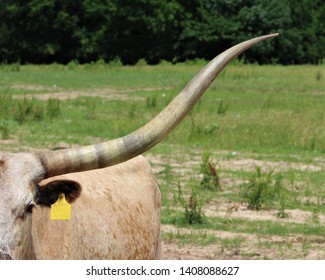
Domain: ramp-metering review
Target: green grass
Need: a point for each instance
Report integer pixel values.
(271, 109)
(239, 225)
(265, 113)
(85, 77)
(202, 239)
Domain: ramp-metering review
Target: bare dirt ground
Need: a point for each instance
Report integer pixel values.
(46, 93)
(233, 245)
(251, 246)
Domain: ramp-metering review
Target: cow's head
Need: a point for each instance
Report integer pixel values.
(20, 174)
(20, 192)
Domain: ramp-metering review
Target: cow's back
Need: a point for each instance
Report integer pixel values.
(117, 216)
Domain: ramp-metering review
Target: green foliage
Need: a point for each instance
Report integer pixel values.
(222, 108)
(315, 215)
(91, 105)
(53, 107)
(192, 204)
(151, 101)
(28, 110)
(208, 169)
(72, 64)
(115, 62)
(47, 31)
(141, 62)
(6, 102)
(291, 119)
(4, 129)
(283, 200)
(199, 130)
(263, 190)
(25, 110)
(13, 67)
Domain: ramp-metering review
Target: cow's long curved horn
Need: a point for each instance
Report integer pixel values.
(141, 140)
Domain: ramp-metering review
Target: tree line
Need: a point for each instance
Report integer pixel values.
(47, 31)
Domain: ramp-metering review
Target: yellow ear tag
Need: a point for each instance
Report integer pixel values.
(61, 209)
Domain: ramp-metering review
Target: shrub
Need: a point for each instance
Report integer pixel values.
(72, 64)
(28, 109)
(141, 62)
(115, 62)
(192, 204)
(208, 169)
(14, 67)
(263, 190)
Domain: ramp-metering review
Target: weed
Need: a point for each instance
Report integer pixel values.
(141, 62)
(56, 66)
(4, 129)
(115, 62)
(14, 67)
(208, 169)
(151, 101)
(25, 110)
(222, 108)
(6, 103)
(201, 239)
(305, 247)
(315, 216)
(192, 205)
(91, 105)
(283, 198)
(267, 103)
(312, 142)
(28, 109)
(316, 211)
(197, 130)
(53, 107)
(262, 191)
(235, 242)
(132, 111)
(72, 64)
(100, 62)
(165, 63)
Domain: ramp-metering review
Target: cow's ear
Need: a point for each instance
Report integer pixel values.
(49, 193)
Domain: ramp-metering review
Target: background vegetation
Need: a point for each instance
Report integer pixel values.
(47, 31)
(241, 177)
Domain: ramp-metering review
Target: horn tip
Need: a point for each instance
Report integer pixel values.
(274, 35)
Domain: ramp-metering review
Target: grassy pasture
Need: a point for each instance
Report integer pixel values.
(267, 116)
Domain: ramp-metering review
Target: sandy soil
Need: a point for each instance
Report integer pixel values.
(46, 93)
(232, 245)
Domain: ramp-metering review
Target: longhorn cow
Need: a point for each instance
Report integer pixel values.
(115, 198)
